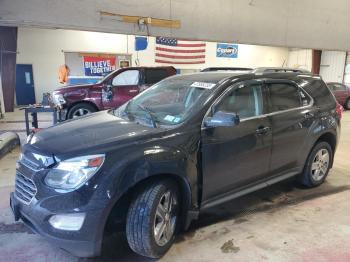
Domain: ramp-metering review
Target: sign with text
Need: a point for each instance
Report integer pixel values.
(98, 66)
(227, 50)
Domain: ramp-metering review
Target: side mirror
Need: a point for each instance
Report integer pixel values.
(221, 118)
(107, 87)
(107, 92)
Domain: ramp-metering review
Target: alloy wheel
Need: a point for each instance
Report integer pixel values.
(81, 112)
(320, 164)
(165, 219)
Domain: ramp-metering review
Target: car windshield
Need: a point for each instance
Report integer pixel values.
(169, 102)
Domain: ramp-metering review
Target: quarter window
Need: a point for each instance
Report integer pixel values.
(246, 101)
(283, 97)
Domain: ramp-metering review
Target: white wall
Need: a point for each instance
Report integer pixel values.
(300, 58)
(248, 56)
(43, 48)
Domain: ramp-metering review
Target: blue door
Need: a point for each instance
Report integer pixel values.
(25, 94)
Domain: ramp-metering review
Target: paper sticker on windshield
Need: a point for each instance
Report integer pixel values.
(169, 118)
(203, 85)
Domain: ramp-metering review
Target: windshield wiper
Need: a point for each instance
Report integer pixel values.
(143, 108)
(150, 112)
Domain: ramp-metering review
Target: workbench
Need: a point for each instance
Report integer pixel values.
(56, 115)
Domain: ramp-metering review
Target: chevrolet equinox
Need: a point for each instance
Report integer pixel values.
(188, 143)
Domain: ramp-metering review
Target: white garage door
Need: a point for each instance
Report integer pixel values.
(347, 69)
(332, 66)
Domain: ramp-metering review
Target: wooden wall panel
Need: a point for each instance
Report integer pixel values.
(8, 52)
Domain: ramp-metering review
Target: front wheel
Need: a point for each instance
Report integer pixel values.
(80, 109)
(317, 165)
(152, 219)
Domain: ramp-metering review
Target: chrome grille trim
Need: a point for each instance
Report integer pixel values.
(25, 189)
(29, 164)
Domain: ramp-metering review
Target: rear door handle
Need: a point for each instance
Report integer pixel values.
(262, 130)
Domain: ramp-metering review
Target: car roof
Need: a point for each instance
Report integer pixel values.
(212, 77)
(217, 76)
(210, 69)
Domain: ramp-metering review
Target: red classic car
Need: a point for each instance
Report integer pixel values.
(111, 92)
(341, 92)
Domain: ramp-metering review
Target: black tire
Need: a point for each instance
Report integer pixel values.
(307, 177)
(347, 104)
(85, 107)
(141, 219)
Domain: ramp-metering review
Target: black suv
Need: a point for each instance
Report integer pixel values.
(185, 144)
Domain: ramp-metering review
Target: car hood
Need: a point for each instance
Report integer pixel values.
(90, 134)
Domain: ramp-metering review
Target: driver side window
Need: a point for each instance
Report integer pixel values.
(126, 78)
(245, 101)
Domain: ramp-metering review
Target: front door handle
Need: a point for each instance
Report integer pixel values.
(262, 130)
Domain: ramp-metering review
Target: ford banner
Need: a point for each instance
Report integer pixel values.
(227, 50)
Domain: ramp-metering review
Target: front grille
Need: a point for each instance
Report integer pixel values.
(25, 189)
(28, 163)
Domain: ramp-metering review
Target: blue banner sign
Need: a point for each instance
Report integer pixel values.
(227, 50)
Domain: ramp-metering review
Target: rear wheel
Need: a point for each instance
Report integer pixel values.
(318, 165)
(80, 109)
(152, 219)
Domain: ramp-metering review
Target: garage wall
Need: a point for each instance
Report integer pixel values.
(300, 58)
(43, 48)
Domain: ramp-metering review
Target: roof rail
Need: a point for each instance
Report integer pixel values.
(267, 70)
(211, 69)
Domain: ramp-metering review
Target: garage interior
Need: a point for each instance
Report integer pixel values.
(283, 222)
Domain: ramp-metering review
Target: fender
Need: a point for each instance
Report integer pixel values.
(324, 125)
(141, 165)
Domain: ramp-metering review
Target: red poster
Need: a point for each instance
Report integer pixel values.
(98, 66)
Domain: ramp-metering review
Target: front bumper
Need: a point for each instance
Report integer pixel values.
(83, 243)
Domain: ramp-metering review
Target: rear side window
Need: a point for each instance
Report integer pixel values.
(319, 91)
(153, 76)
(283, 96)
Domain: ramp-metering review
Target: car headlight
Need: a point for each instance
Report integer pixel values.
(29, 137)
(72, 173)
(58, 99)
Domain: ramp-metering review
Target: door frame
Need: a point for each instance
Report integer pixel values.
(230, 87)
(32, 67)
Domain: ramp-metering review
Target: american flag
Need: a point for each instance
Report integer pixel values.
(173, 51)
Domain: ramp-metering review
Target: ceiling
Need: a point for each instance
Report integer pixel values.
(319, 24)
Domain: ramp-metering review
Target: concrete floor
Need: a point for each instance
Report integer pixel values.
(284, 222)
